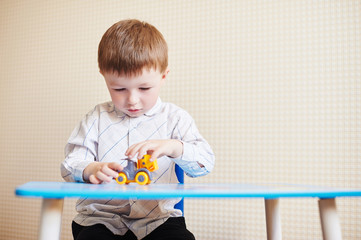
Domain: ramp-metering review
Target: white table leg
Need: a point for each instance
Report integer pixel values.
(50, 222)
(331, 229)
(273, 219)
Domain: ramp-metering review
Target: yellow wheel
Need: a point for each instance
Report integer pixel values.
(122, 178)
(142, 178)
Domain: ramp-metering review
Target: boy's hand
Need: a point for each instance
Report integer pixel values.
(156, 148)
(98, 172)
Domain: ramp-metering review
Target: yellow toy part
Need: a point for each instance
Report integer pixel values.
(139, 172)
(145, 163)
(142, 178)
(122, 178)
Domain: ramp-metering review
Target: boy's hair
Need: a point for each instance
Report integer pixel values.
(129, 46)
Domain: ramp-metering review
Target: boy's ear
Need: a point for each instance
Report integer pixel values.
(164, 76)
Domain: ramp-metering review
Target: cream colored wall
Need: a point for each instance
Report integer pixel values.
(273, 85)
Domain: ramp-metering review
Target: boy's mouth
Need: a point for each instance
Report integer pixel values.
(133, 110)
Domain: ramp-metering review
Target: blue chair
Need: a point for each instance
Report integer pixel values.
(180, 175)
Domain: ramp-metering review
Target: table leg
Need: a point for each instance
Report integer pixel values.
(331, 229)
(273, 219)
(50, 222)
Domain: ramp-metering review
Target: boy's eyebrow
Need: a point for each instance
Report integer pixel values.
(115, 84)
(145, 84)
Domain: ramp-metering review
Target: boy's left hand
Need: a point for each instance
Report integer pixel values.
(156, 148)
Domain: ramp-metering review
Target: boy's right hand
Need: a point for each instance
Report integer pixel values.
(98, 172)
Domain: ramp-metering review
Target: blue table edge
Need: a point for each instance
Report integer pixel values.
(188, 190)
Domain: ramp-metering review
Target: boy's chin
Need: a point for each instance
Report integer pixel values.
(134, 114)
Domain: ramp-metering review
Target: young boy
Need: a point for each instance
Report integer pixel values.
(133, 58)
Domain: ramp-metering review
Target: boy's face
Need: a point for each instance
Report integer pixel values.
(135, 95)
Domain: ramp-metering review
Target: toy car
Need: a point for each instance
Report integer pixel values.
(139, 172)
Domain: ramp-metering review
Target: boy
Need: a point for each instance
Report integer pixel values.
(133, 58)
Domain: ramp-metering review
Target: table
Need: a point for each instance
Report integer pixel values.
(53, 194)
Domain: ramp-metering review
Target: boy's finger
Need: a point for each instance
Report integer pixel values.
(103, 177)
(153, 155)
(132, 150)
(129, 150)
(93, 179)
(141, 152)
(115, 166)
(111, 170)
(147, 148)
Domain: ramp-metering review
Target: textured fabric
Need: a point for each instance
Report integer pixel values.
(173, 229)
(105, 134)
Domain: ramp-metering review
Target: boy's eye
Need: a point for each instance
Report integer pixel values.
(144, 88)
(119, 89)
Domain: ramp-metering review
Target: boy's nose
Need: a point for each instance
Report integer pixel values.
(132, 98)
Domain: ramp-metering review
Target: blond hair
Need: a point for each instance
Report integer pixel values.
(129, 46)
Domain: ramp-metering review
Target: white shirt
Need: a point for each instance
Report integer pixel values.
(105, 134)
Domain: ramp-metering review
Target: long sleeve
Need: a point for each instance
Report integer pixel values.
(197, 158)
(81, 149)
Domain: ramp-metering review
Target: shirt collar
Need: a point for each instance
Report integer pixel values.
(155, 109)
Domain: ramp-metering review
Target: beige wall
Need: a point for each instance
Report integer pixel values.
(273, 85)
